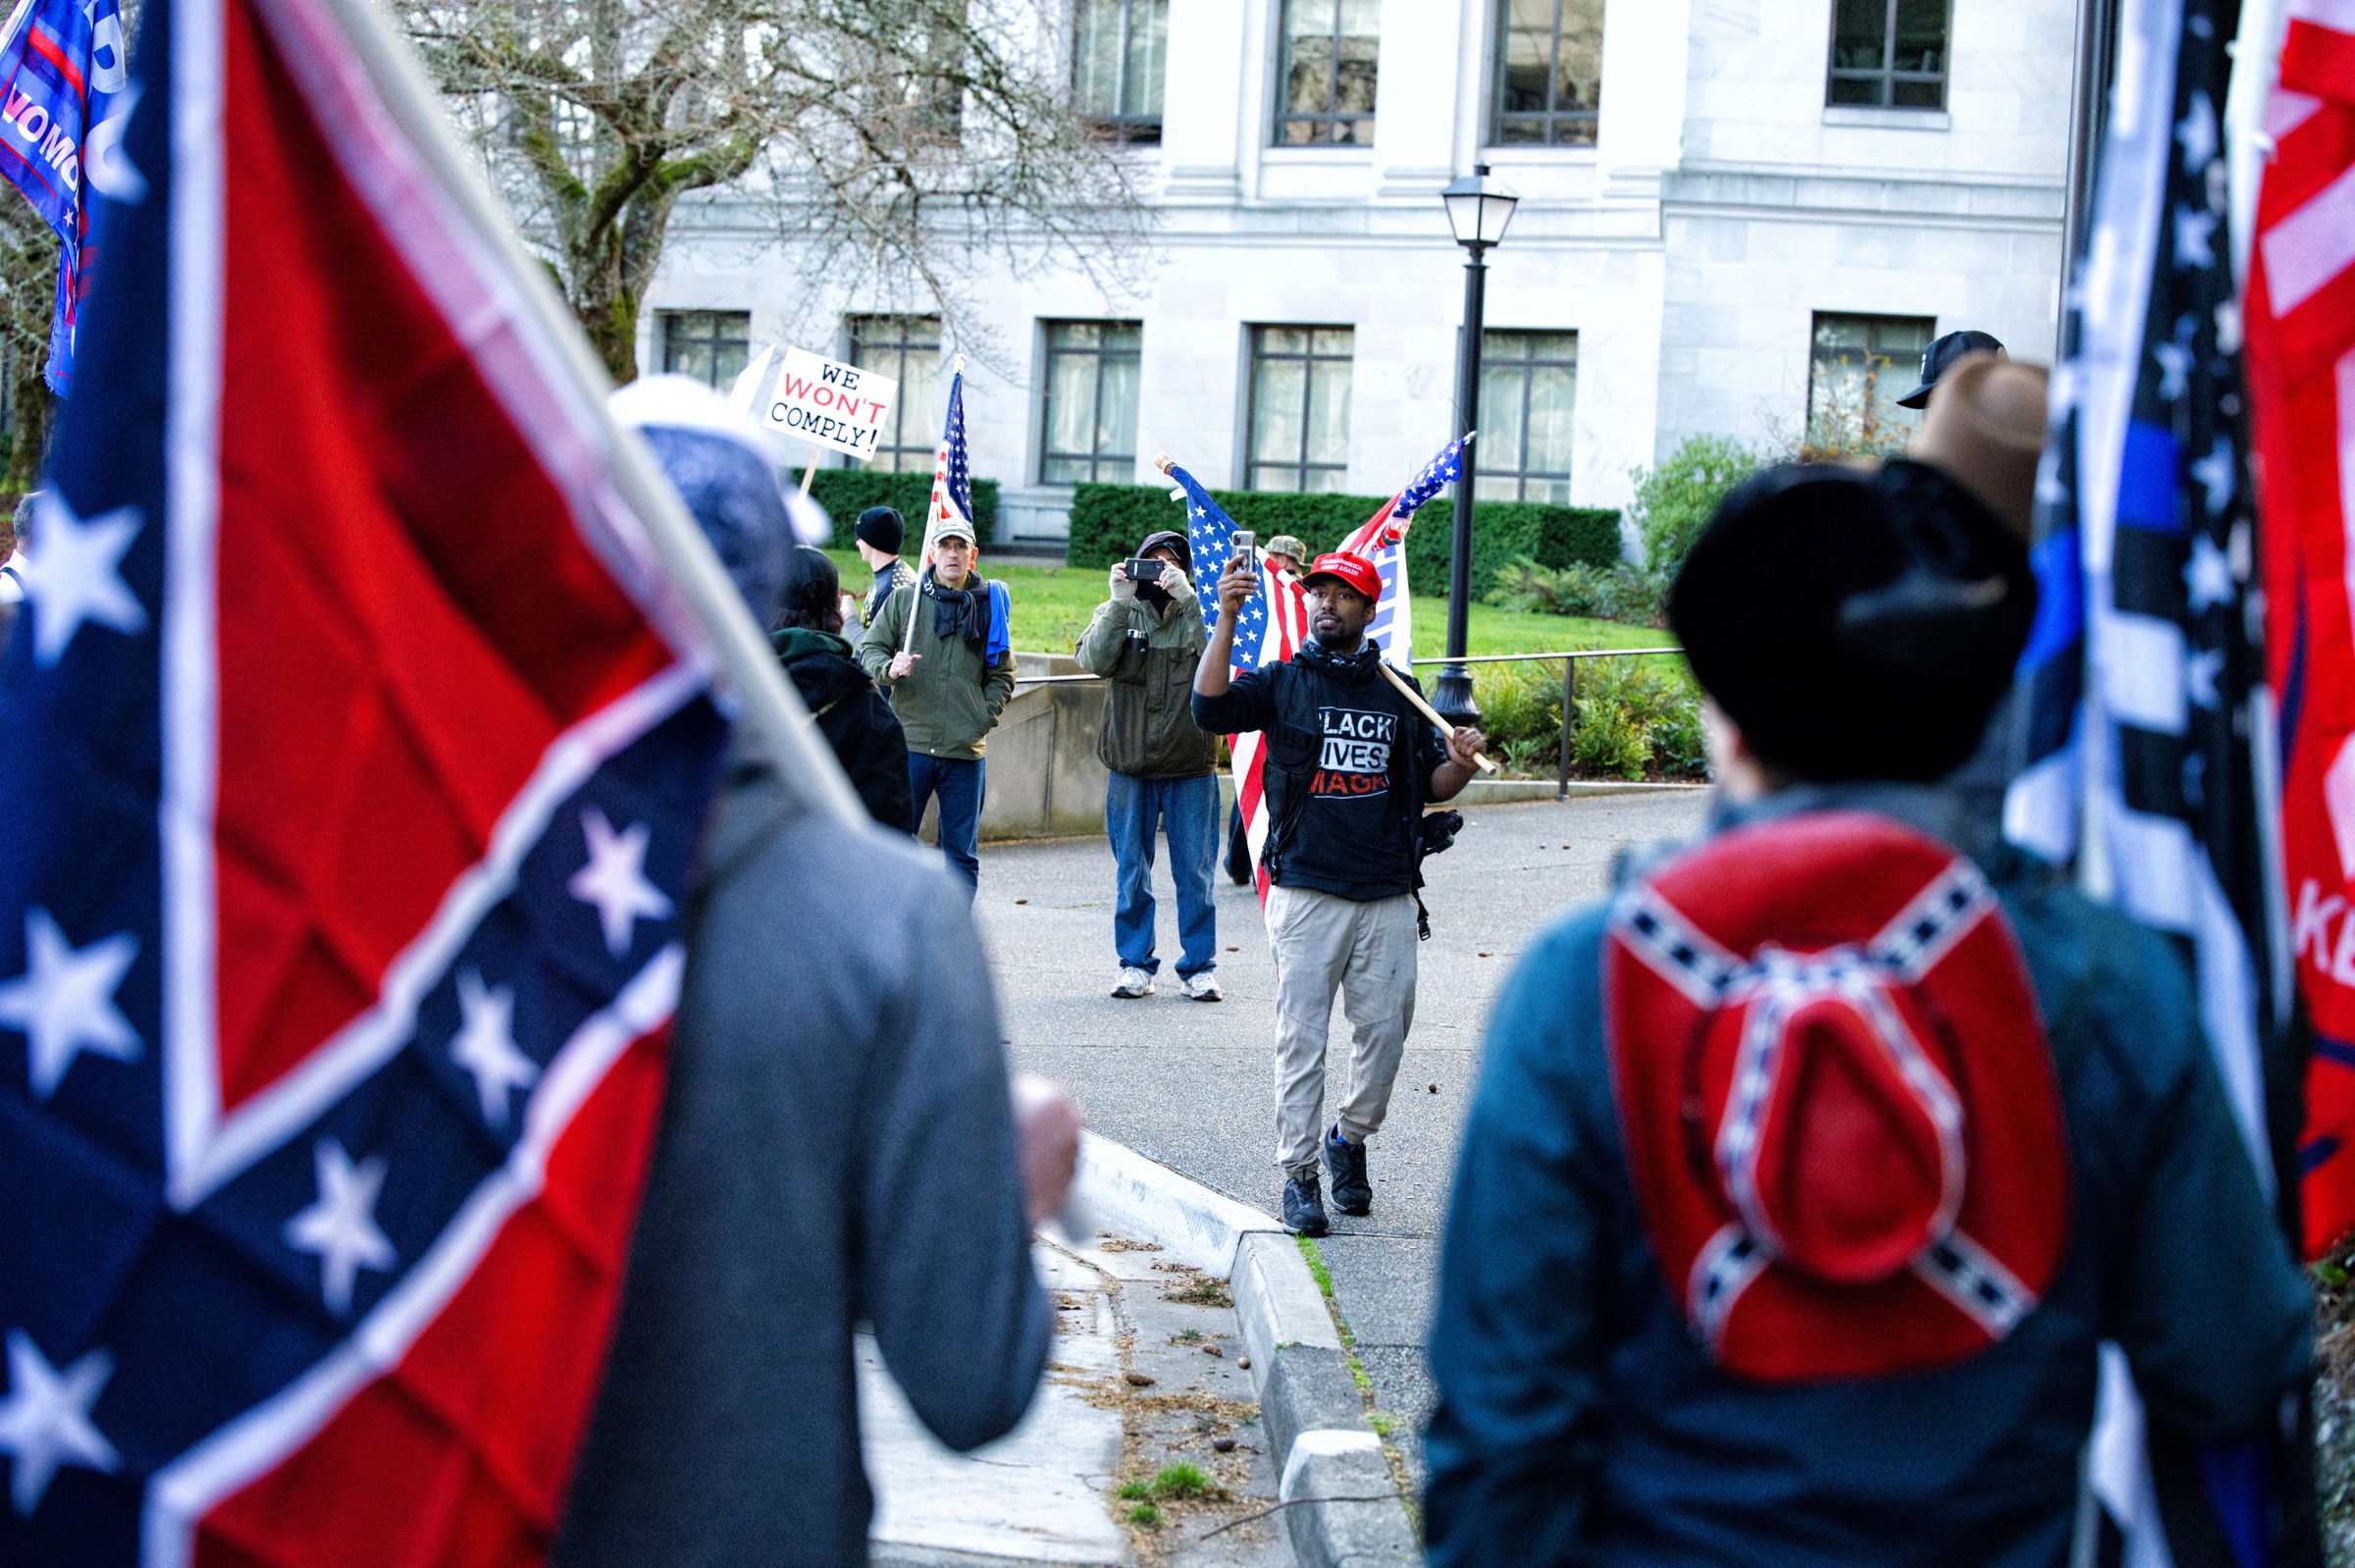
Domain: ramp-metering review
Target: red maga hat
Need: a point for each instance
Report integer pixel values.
(1839, 1106)
(1355, 571)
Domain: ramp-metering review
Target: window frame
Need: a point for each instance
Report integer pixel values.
(1527, 364)
(1136, 130)
(1121, 464)
(1550, 117)
(1309, 358)
(901, 347)
(1325, 120)
(1888, 76)
(711, 346)
(1904, 417)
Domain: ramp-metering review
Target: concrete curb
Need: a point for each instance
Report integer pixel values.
(1320, 1440)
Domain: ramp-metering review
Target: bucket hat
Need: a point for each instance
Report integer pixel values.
(1837, 1100)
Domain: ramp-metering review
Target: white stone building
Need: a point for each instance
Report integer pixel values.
(1727, 206)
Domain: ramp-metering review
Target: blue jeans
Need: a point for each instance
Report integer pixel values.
(960, 784)
(1187, 809)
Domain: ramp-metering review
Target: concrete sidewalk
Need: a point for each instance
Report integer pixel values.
(1190, 1085)
(1048, 1492)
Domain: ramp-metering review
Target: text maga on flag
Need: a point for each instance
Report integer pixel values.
(820, 400)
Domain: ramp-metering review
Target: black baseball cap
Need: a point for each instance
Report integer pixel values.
(1172, 542)
(1940, 357)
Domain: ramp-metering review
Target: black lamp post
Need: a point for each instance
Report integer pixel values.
(1478, 209)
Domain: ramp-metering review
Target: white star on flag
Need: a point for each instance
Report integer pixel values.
(2193, 227)
(485, 1045)
(45, 1420)
(615, 880)
(2201, 672)
(74, 574)
(64, 1003)
(2208, 575)
(2215, 474)
(2197, 132)
(340, 1225)
(2175, 369)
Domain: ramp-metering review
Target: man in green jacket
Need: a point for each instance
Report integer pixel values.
(1146, 639)
(947, 682)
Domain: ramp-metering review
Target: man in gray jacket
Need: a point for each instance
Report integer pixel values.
(838, 1147)
(1146, 639)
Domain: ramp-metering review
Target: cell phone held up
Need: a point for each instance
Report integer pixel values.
(1142, 571)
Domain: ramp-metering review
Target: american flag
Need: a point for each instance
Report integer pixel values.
(1382, 539)
(1268, 630)
(2300, 315)
(952, 476)
(360, 749)
(2144, 692)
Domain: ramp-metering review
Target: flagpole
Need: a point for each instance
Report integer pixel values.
(923, 558)
(771, 713)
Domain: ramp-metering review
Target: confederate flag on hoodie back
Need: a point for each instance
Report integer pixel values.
(1838, 1101)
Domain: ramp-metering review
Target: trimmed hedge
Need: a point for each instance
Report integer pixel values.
(845, 492)
(1108, 521)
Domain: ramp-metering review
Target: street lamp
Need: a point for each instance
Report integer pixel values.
(1478, 209)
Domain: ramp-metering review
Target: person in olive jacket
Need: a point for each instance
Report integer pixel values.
(1145, 641)
(948, 681)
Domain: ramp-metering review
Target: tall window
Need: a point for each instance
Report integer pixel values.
(1889, 52)
(711, 345)
(1860, 367)
(1090, 402)
(1528, 389)
(1330, 50)
(1549, 71)
(1299, 408)
(907, 348)
(1118, 51)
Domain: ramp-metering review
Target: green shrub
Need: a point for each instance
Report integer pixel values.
(1610, 739)
(845, 492)
(1634, 718)
(1108, 521)
(1674, 501)
(1521, 706)
(1618, 591)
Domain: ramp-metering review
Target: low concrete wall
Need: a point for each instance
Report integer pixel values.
(1044, 778)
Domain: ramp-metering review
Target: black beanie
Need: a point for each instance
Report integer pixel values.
(880, 527)
(1856, 625)
(812, 589)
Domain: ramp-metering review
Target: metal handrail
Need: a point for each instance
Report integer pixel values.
(1582, 653)
(1568, 657)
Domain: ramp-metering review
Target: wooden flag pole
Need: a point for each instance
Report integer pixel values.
(810, 470)
(776, 723)
(1430, 712)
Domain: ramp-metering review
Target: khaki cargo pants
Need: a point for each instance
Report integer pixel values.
(1324, 943)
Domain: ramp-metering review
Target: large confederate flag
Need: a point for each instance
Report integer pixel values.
(354, 754)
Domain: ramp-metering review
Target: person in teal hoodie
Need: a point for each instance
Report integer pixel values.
(1599, 1401)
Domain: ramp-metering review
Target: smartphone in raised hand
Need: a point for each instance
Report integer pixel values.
(1244, 537)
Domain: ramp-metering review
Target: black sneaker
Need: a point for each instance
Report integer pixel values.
(1352, 1189)
(1303, 1207)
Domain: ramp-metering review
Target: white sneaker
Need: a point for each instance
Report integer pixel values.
(1133, 983)
(1202, 987)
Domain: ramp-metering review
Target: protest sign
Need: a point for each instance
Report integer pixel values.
(817, 400)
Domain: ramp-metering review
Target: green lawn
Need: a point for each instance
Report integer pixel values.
(1052, 605)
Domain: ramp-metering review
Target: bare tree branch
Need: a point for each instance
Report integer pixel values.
(897, 144)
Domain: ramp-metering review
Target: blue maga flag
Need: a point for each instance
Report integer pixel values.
(2144, 712)
(60, 121)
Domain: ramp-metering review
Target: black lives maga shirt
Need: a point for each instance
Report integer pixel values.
(1348, 763)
